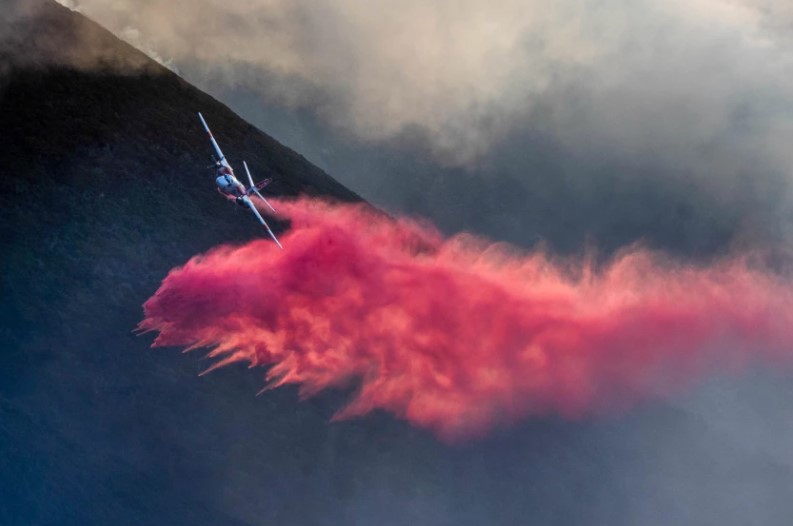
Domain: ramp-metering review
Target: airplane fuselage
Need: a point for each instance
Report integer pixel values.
(228, 185)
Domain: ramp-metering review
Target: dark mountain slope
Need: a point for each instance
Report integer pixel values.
(104, 166)
(102, 191)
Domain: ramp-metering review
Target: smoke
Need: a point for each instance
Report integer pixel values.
(458, 335)
(374, 69)
(466, 73)
(35, 34)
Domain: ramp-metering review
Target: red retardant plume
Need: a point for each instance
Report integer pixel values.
(458, 335)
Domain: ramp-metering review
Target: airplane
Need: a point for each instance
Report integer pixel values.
(233, 190)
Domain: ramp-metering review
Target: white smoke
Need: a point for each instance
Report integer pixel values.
(658, 73)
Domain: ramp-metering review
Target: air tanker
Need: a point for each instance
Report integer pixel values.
(229, 187)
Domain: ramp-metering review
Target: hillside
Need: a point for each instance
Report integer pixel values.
(104, 187)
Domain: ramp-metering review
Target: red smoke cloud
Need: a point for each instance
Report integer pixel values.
(457, 335)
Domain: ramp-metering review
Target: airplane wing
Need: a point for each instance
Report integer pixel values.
(221, 157)
(255, 188)
(250, 204)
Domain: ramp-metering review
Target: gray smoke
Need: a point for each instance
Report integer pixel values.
(468, 73)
